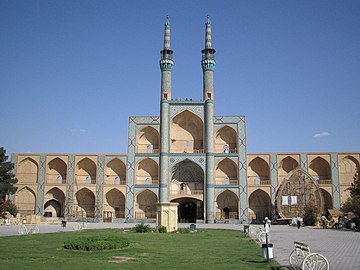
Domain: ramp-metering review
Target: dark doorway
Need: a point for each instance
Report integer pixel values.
(226, 212)
(187, 212)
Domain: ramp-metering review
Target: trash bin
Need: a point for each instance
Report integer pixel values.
(264, 249)
(63, 223)
(246, 229)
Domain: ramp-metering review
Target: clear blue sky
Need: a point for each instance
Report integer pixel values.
(72, 72)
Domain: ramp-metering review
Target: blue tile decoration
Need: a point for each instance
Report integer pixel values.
(335, 180)
(70, 178)
(39, 209)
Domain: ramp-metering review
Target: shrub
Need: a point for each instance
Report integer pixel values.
(162, 229)
(96, 243)
(184, 230)
(142, 228)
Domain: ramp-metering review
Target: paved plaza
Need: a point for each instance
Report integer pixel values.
(340, 247)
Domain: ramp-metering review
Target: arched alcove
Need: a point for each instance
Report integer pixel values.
(27, 171)
(148, 140)
(86, 171)
(25, 201)
(115, 202)
(320, 169)
(260, 205)
(347, 168)
(226, 172)
(187, 178)
(115, 168)
(287, 165)
(56, 167)
(227, 204)
(147, 172)
(225, 140)
(328, 201)
(85, 203)
(186, 133)
(146, 202)
(259, 171)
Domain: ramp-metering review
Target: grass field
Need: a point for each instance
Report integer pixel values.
(206, 249)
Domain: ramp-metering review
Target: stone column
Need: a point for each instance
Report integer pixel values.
(70, 177)
(99, 187)
(209, 149)
(164, 151)
(335, 181)
(39, 208)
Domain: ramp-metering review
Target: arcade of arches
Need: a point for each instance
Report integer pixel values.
(186, 186)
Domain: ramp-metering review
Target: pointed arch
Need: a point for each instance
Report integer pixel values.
(146, 202)
(328, 201)
(85, 203)
(56, 173)
(259, 205)
(25, 201)
(227, 203)
(148, 140)
(147, 172)
(288, 164)
(226, 172)
(115, 168)
(348, 166)
(320, 169)
(259, 171)
(86, 171)
(186, 133)
(225, 140)
(115, 202)
(27, 171)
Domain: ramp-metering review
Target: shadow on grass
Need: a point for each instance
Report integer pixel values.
(281, 267)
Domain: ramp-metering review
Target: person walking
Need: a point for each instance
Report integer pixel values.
(298, 221)
(323, 220)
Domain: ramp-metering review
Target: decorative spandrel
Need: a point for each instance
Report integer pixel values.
(298, 191)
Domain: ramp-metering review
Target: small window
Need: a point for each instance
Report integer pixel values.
(209, 95)
(117, 180)
(59, 179)
(257, 181)
(165, 96)
(88, 180)
(149, 148)
(226, 181)
(148, 181)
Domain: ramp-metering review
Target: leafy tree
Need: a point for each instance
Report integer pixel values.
(353, 203)
(7, 178)
(7, 183)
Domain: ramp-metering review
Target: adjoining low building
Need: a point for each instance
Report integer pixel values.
(186, 155)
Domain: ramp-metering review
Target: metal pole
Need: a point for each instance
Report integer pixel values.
(267, 247)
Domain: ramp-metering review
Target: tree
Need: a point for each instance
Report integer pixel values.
(353, 203)
(7, 178)
(7, 184)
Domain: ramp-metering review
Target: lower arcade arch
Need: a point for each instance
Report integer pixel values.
(227, 204)
(259, 206)
(53, 208)
(146, 205)
(25, 200)
(189, 210)
(115, 204)
(328, 202)
(85, 207)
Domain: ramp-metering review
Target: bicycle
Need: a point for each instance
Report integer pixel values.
(80, 226)
(28, 229)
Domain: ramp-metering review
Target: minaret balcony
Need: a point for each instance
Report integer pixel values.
(166, 64)
(208, 64)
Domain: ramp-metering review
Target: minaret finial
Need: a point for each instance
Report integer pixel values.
(167, 34)
(166, 63)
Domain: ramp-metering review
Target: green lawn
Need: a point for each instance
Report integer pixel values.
(206, 249)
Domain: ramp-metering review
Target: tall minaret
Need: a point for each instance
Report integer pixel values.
(208, 66)
(166, 64)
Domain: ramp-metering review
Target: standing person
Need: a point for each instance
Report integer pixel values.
(267, 223)
(323, 220)
(298, 222)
